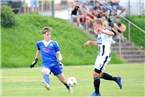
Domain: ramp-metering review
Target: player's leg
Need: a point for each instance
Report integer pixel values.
(62, 78)
(107, 76)
(57, 71)
(96, 76)
(46, 80)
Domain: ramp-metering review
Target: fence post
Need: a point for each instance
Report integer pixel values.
(129, 31)
(42, 5)
(53, 8)
(129, 7)
(94, 1)
(20, 9)
(68, 9)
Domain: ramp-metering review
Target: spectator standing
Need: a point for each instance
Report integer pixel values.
(34, 5)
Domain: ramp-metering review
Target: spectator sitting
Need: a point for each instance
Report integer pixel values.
(119, 26)
(85, 10)
(104, 21)
(115, 6)
(34, 5)
(75, 14)
(98, 10)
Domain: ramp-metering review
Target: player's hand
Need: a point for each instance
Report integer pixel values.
(33, 63)
(61, 65)
(86, 43)
(99, 30)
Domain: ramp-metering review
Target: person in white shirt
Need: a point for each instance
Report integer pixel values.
(104, 43)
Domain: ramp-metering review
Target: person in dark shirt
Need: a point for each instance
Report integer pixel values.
(75, 14)
(118, 26)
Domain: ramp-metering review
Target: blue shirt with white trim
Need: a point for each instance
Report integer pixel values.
(48, 52)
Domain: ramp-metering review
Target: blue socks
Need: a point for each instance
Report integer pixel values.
(46, 78)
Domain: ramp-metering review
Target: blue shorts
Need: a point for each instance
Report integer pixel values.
(73, 18)
(34, 3)
(55, 69)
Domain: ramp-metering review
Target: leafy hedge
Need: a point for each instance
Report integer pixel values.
(7, 16)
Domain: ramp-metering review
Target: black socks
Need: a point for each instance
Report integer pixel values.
(66, 85)
(97, 84)
(108, 77)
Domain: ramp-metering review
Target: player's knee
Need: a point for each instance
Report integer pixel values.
(45, 71)
(97, 73)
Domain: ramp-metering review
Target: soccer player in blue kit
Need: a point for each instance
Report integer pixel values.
(104, 40)
(51, 59)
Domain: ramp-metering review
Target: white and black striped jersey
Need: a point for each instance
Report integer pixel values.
(104, 44)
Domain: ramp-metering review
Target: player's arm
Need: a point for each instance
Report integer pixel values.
(59, 58)
(108, 32)
(58, 54)
(94, 43)
(36, 59)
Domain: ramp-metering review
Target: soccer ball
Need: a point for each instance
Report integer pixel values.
(71, 81)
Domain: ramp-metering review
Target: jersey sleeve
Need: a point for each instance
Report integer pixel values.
(37, 44)
(56, 47)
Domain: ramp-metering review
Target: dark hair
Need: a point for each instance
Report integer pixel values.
(98, 2)
(46, 29)
(118, 17)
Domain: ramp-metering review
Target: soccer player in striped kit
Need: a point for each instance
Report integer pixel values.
(104, 43)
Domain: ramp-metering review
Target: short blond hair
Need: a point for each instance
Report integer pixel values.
(98, 21)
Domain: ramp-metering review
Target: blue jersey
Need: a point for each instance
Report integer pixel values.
(48, 52)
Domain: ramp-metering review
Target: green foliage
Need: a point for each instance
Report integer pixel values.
(137, 37)
(18, 44)
(138, 20)
(7, 17)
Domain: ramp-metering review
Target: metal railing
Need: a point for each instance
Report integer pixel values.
(129, 22)
(129, 26)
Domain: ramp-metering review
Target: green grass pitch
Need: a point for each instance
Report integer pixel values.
(26, 82)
